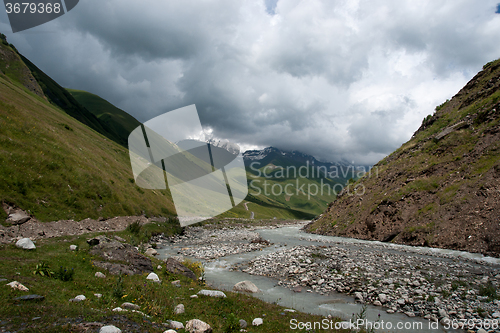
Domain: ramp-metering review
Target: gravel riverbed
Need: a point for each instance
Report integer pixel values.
(430, 285)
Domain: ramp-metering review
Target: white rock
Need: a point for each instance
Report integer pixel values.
(80, 298)
(25, 243)
(179, 309)
(118, 309)
(130, 306)
(159, 267)
(194, 296)
(169, 331)
(110, 329)
(176, 325)
(257, 322)
(289, 310)
(100, 275)
(197, 326)
(212, 293)
(481, 331)
(17, 285)
(98, 295)
(151, 252)
(73, 247)
(442, 313)
(382, 298)
(18, 217)
(153, 277)
(246, 286)
(495, 314)
(359, 296)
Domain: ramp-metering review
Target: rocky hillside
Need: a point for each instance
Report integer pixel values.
(441, 188)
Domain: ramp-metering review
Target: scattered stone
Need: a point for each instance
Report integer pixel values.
(212, 293)
(73, 247)
(179, 309)
(382, 298)
(359, 297)
(175, 267)
(100, 275)
(257, 322)
(176, 325)
(496, 315)
(198, 326)
(246, 286)
(130, 306)
(98, 295)
(18, 217)
(26, 244)
(442, 313)
(154, 277)
(78, 298)
(289, 310)
(110, 329)
(243, 323)
(194, 296)
(118, 309)
(481, 331)
(112, 250)
(18, 286)
(159, 267)
(176, 283)
(170, 331)
(151, 252)
(33, 297)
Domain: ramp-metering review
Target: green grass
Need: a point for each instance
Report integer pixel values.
(155, 300)
(57, 168)
(120, 121)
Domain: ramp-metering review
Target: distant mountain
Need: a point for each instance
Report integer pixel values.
(441, 188)
(115, 119)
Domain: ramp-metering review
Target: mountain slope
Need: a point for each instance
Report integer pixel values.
(441, 188)
(58, 168)
(114, 118)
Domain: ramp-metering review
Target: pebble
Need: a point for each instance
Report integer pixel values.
(257, 322)
(153, 277)
(212, 293)
(179, 309)
(110, 329)
(100, 275)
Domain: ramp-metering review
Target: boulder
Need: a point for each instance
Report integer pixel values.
(100, 275)
(18, 286)
(198, 326)
(246, 286)
(151, 252)
(382, 298)
(179, 309)
(112, 250)
(130, 306)
(176, 325)
(73, 247)
(212, 293)
(175, 267)
(359, 296)
(257, 322)
(243, 323)
(18, 217)
(25, 243)
(153, 276)
(78, 298)
(33, 297)
(110, 329)
(170, 331)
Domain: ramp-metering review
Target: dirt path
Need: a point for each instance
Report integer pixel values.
(36, 230)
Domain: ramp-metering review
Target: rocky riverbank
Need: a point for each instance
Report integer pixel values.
(416, 285)
(416, 282)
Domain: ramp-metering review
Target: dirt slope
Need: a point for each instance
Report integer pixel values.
(441, 188)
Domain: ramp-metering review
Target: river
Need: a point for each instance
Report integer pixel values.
(222, 273)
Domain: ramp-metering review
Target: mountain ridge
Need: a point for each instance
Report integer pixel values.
(439, 189)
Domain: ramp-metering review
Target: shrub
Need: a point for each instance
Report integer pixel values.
(65, 274)
(43, 269)
(232, 323)
(134, 227)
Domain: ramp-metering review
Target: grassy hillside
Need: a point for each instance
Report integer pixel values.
(118, 120)
(58, 168)
(439, 189)
(60, 97)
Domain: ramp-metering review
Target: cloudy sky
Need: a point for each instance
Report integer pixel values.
(336, 79)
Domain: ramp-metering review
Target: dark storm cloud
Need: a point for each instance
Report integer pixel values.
(349, 80)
